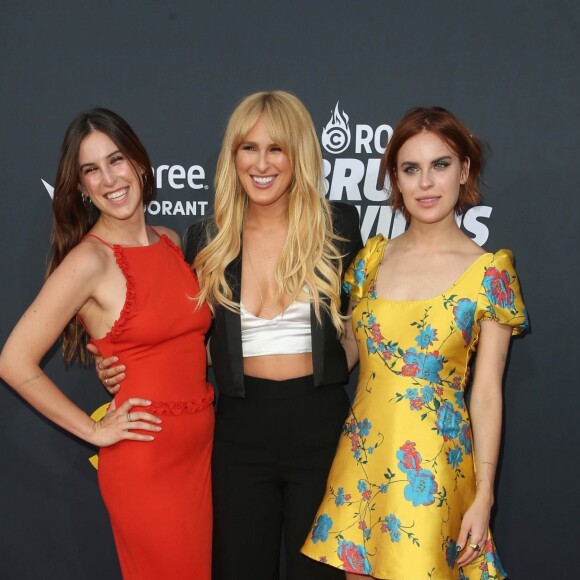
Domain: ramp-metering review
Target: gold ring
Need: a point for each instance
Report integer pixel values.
(475, 547)
(100, 366)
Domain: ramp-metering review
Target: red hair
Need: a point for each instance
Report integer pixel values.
(454, 133)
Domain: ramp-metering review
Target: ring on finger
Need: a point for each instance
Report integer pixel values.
(476, 547)
(107, 382)
(100, 366)
(129, 417)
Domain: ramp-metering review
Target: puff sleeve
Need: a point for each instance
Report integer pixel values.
(500, 297)
(360, 275)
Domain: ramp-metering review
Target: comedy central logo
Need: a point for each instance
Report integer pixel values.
(336, 134)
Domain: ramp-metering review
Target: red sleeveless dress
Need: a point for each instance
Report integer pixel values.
(158, 493)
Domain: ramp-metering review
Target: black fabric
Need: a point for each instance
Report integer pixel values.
(328, 357)
(272, 453)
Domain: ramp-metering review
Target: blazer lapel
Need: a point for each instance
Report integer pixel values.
(233, 322)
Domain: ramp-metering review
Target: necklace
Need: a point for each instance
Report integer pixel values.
(274, 310)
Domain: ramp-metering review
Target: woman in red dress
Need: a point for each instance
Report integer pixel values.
(126, 285)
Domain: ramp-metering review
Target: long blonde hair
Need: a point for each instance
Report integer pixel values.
(309, 256)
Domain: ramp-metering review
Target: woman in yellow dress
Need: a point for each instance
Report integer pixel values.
(411, 487)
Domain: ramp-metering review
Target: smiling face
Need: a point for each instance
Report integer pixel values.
(263, 168)
(429, 175)
(108, 177)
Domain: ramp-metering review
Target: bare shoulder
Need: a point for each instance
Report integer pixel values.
(76, 278)
(88, 258)
(171, 234)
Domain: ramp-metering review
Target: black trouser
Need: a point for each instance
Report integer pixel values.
(272, 454)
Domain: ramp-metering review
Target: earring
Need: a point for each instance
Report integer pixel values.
(87, 202)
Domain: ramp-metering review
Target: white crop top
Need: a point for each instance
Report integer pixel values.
(287, 333)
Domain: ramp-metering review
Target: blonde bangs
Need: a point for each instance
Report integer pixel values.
(310, 257)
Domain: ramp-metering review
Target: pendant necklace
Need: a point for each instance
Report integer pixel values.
(245, 245)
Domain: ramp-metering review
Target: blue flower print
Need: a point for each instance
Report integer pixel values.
(359, 272)
(465, 438)
(393, 524)
(448, 421)
(526, 323)
(454, 457)
(350, 426)
(383, 488)
(464, 313)
(347, 287)
(422, 487)
(339, 499)
(411, 393)
(427, 336)
(427, 394)
(451, 553)
(370, 450)
(364, 427)
(362, 485)
(459, 399)
(320, 531)
(425, 365)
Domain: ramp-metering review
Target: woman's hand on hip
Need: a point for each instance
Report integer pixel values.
(118, 424)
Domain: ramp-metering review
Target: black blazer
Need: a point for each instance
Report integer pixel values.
(328, 357)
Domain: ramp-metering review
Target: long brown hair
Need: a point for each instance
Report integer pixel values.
(71, 218)
(454, 133)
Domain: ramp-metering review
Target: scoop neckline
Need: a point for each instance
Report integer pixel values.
(432, 298)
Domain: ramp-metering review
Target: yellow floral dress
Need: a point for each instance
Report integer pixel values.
(403, 475)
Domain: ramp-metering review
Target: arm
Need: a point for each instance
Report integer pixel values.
(486, 416)
(348, 341)
(63, 295)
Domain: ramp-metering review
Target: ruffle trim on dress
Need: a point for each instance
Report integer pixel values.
(181, 258)
(123, 264)
(177, 408)
(173, 246)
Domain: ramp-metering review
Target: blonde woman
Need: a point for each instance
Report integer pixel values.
(270, 262)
